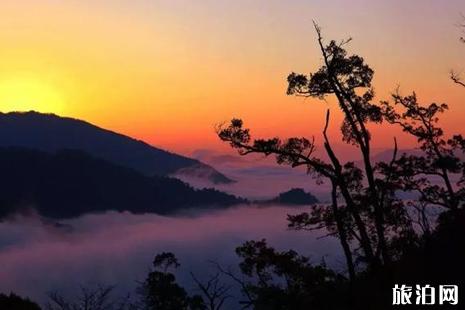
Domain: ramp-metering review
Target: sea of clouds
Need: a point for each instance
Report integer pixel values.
(39, 256)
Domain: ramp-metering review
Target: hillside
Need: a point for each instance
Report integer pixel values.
(71, 183)
(51, 133)
(293, 197)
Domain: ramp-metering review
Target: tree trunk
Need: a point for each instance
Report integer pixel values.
(342, 233)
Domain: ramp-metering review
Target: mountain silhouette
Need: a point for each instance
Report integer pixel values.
(51, 133)
(70, 183)
(292, 197)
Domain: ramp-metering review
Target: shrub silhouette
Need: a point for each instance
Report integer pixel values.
(15, 302)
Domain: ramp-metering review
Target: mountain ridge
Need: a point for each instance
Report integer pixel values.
(51, 133)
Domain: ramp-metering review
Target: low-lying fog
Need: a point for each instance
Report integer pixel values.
(118, 248)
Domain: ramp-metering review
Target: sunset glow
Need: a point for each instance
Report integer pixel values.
(168, 71)
(25, 94)
(232, 154)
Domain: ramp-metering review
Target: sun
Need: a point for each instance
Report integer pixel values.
(29, 93)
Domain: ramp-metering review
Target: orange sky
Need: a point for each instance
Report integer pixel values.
(168, 71)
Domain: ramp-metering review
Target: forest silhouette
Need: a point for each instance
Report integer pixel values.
(83, 183)
(386, 240)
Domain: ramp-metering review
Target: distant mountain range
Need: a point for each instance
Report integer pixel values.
(51, 133)
(70, 183)
(63, 167)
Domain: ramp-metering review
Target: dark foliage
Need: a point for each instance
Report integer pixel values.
(15, 302)
(367, 200)
(160, 291)
(286, 280)
(98, 298)
(71, 183)
(213, 291)
(436, 260)
(384, 238)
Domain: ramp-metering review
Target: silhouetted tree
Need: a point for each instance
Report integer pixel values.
(214, 292)
(345, 76)
(160, 291)
(365, 212)
(98, 298)
(284, 280)
(15, 302)
(455, 77)
(439, 159)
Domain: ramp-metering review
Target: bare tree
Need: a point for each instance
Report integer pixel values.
(214, 292)
(454, 75)
(245, 289)
(99, 298)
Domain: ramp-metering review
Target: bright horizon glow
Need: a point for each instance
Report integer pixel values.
(29, 93)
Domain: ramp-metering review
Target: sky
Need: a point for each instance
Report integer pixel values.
(168, 71)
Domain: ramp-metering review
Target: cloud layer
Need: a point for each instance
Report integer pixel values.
(118, 248)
